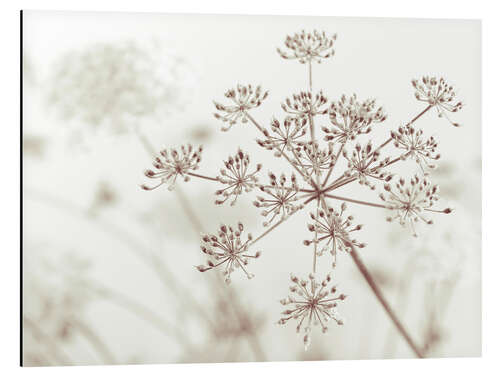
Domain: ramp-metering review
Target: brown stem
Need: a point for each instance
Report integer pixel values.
(204, 177)
(409, 123)
(378, 293)
(355, 201)
(333, 165)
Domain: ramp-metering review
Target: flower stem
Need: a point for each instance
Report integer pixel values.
(409, 123)
(378, 293)
(204, 177)
(333, 165)
(355, 201)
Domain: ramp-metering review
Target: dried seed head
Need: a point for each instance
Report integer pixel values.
(312, 304)
(351, 118)
(170, 165)
(227, 250)
(243, 98)
(237, 177)
(308, 47)
(439, 94)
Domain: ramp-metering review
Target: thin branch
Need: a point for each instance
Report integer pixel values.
(95, 341)
(56, 351)
(409, 123)
(378, 293)
(333, 165)
(355, 201)
(204, 177)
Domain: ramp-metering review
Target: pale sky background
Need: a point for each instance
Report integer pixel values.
(374, 58)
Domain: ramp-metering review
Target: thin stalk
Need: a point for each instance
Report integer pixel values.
(310, 76)
(204, 177)
(124, 236)
(95, 341)
(409, 123)
(271, 228)
(142, 312)
(355, 201)
(334, 164)
(385, 304)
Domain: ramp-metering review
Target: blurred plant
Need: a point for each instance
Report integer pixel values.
(104, 196)
(314, 162)
(34, 146)
(54, 313)
(114, 85)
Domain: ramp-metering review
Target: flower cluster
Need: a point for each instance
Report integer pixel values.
(362, 165)
(411, 200)
(351, 118)
(319, 167)
(170, 165)
(421, 150)
(227, 249)
(237, 176)
(280, 199)
(437, 93)
(243, 98)
(311, 303)
(312, 159)
(113, 85)
(334, 231)
(308, 47)
(305, 104)
(283, 136)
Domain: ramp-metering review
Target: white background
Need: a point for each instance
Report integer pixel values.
(10, 166)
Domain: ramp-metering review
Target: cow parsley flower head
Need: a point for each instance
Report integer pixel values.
(243, 98)
(304, 104)
(308, 47)
(334, 231)
(314, 160)
(237, 177)
(227, 249)
(351, 118)
(416, 147)
(311, 303)
(284, 136)
(170, 165)
(113, 85)
(318, 169)
(439, 94)
(364, 164)
(410, 201)
(280, 198)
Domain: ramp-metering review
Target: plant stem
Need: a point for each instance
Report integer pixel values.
(355, 201)
(378, 293)
(333, 165)
(204, 177)
(409, 123)
(55, 350)
(272, 227)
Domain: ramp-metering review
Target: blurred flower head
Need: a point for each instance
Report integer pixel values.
(117, 84)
